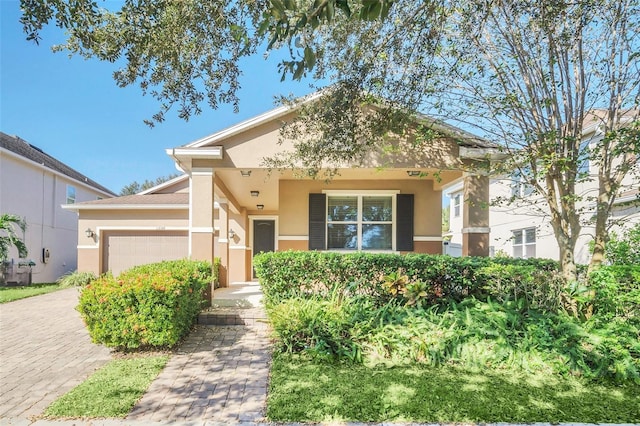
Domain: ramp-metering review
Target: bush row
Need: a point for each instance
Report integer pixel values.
(284, 275)
(149, 305)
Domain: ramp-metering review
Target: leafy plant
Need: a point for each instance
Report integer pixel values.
(8, 236)
(76, 279)
(624, 249)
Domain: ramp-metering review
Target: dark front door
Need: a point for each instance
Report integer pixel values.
(264, 236)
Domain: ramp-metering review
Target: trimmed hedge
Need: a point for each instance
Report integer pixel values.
(149, 305)
(285, 275)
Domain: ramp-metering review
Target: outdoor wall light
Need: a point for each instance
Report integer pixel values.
(89, 233)
(255, 193)
(232, 234)
(245, 173)
(260, 206)
(413, 173)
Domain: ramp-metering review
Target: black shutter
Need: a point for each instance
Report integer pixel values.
(404, 222)
(317, 221)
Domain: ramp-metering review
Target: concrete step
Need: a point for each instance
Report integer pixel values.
(232, 316)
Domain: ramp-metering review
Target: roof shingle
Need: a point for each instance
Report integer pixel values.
(35, 154)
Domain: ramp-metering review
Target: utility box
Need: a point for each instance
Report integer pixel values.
(16, 273)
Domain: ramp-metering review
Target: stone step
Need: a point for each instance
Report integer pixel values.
(232, 316)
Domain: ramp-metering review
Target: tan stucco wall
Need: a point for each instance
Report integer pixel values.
(90, 250)
(284, 245)
(294, 202)
(429, 247)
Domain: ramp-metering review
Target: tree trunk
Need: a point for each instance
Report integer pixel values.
(567, 261)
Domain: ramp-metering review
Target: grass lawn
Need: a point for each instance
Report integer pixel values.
(9, 294)
(111, 391)
(305, 390)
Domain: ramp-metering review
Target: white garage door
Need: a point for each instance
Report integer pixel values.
(123, 250)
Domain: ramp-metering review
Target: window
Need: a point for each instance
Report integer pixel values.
(456, 205)
(519, 183)
(360, 222)
(524, 243)
(583, 158)
(71, 194)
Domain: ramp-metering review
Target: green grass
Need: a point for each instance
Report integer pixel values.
(111, 391)
(9, 294)
(307, 390)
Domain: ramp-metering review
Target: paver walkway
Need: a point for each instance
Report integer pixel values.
(45, 351)
(219, 374)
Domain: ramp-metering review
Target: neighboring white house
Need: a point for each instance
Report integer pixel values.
(34, 186)
(523, 229)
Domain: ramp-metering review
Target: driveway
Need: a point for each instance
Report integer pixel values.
(45, 351)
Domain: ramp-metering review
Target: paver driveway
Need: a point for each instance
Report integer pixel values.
(45, 351)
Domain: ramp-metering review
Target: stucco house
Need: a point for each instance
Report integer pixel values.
(523, 229)
(34, 186)
(229, 205)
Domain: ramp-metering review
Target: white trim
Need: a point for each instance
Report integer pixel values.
(209, 152)
(293, 237)
(238, 248)
(202, 229)
(476, 230)
(223, 240)
(363, 192)
(418, 238)
(202, 171)
(54, 172)
(481, 153)
(360, 194)
(125, 206)
(141, 228)
(80, 247)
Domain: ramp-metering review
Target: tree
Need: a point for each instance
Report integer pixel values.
(8, 236)
(530, 75)
(135, 187)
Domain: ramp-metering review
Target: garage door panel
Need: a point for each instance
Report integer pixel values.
(125, 250)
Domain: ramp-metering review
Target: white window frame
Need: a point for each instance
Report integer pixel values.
(457, 204)
(520, 188)
(359, 222)
(525, 244)
(71, 194)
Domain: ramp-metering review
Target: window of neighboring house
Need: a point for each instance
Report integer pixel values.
(98, 198)
(519, 183)
(360, 222)
(583, 158)
(456, 205)
(524, 243)
(71, 194)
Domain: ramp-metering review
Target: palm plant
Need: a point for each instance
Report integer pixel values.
(8, 236)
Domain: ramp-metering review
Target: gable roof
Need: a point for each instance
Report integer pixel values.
(30, 152)
(463, 137)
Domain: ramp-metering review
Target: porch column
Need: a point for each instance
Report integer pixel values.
(223, 242)
(201, 230)
(475, 216)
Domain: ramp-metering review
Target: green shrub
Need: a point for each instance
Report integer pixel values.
(615, 292)
(76, 279)
(149, 305)
(285, 275)
(625, 249)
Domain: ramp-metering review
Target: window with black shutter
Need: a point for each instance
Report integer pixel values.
(317, 221)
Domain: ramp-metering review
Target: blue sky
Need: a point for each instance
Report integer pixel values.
(72, 109)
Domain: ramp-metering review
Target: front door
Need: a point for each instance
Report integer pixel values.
(264, 237)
